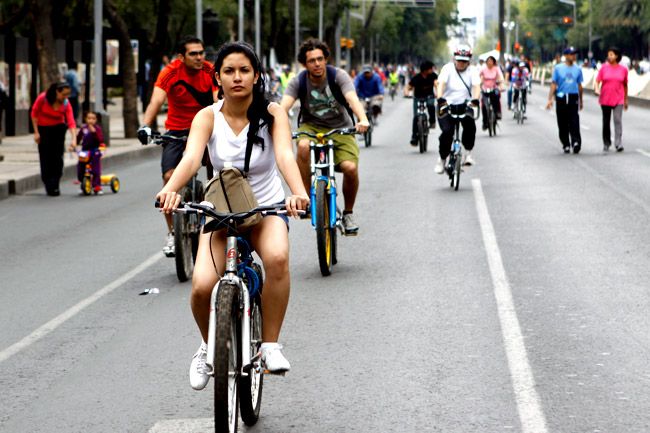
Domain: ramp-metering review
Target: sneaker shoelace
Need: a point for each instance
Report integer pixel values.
(200, 365)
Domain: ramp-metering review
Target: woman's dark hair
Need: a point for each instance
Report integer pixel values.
(50, 93)
(493, 59)
(617, 52)
(310, 45)
(258, 110)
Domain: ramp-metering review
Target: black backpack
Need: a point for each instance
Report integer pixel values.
(331, 82)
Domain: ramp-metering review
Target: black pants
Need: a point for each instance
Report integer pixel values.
(568, 119)
(495, 99)
(50, 153)
(447, 124)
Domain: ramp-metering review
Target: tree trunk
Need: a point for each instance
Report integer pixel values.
(41, 11)
(127, 70)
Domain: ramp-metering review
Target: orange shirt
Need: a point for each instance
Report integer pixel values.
(174, 79)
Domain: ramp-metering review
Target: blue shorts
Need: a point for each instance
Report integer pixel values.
(284, 216)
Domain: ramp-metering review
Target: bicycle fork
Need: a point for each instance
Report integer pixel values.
(331, 185)
(231, 277)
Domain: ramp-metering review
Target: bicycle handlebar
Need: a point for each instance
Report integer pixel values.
(158, 138)
(341, 131)
(207, 208)
(468, 104)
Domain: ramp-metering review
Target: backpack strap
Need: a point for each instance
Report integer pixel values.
(204, 99)
(336, 91)
(302, 93)
(247, 157)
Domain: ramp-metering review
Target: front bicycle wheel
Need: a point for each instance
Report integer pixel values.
(457, 170)
(367, 136)
(183, 247)
(227, 362)
(492, 121)
(324, 232)
(251, 385)
(423, 135)
(199, 192)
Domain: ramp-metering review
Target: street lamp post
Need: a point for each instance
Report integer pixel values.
(199, 19)
(508, 26)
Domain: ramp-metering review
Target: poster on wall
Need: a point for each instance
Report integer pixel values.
(4, 76)
(112, 57)
(23, 84)
(135, 45)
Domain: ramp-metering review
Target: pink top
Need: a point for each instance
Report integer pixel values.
(490, 76)
(614, 78)
(47, 116)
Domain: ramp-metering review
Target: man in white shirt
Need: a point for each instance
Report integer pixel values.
(457, 84)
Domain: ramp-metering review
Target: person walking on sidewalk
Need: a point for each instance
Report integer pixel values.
(51, 117)
(566, 89)
(611, 85)
(188, 85)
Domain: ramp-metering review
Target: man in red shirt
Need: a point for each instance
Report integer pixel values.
(188, 85)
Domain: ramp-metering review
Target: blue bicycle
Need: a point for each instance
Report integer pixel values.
(325, 216)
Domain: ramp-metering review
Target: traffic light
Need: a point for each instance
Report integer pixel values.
(517, 46)
(350, 43)
(344, 42)
(567, 20)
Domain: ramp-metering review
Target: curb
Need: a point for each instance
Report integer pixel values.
(33, 181)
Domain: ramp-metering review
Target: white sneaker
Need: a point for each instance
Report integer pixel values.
(198, 370)
(468, 159)
(273, 360)
(169, 249)
(440, 166)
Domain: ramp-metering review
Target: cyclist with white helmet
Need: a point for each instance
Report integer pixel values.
(458, 82)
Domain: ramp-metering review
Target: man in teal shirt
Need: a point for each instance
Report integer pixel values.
(566, 89)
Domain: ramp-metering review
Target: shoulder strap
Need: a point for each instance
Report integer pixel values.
(336, 91)
(466, 86)
(247, 157)
(202, 98)
(302, 93)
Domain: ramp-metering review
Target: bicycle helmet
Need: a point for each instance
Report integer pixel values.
(522, 64)
(463, 52)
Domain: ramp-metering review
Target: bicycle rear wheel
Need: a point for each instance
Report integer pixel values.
(183, 247)
(324, 232)
(251, 385)
(423, 136)
(227, 362)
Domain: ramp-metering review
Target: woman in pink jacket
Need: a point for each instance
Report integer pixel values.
(51, 117)
(611, 85)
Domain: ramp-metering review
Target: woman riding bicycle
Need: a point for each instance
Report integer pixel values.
(491, 84)
(225, 127)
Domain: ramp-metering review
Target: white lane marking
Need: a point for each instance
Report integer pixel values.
(528, 403)
(644, 152)
(75, 309)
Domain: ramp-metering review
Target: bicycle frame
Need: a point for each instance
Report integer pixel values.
(319, 162)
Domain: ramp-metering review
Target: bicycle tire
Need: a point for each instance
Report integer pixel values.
(492, 122)
(367, 136)
(251, 386)
(227, 362)
(199, 192)
(182, 247)
(457, 170)
(423, 137)
(86, 185)
(324, 232)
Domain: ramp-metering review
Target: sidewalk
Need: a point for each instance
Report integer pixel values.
(20, 169)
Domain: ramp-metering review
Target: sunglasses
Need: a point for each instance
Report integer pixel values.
(196, 53)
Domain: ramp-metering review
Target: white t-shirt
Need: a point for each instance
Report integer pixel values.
(456, 92)
(225, 147)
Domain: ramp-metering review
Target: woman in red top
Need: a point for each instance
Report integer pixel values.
(51, 116)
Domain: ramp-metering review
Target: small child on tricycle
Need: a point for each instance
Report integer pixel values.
(89, 168)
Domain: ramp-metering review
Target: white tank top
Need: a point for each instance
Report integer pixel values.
(227, 149)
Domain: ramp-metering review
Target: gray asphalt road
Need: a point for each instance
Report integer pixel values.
(518, 303)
